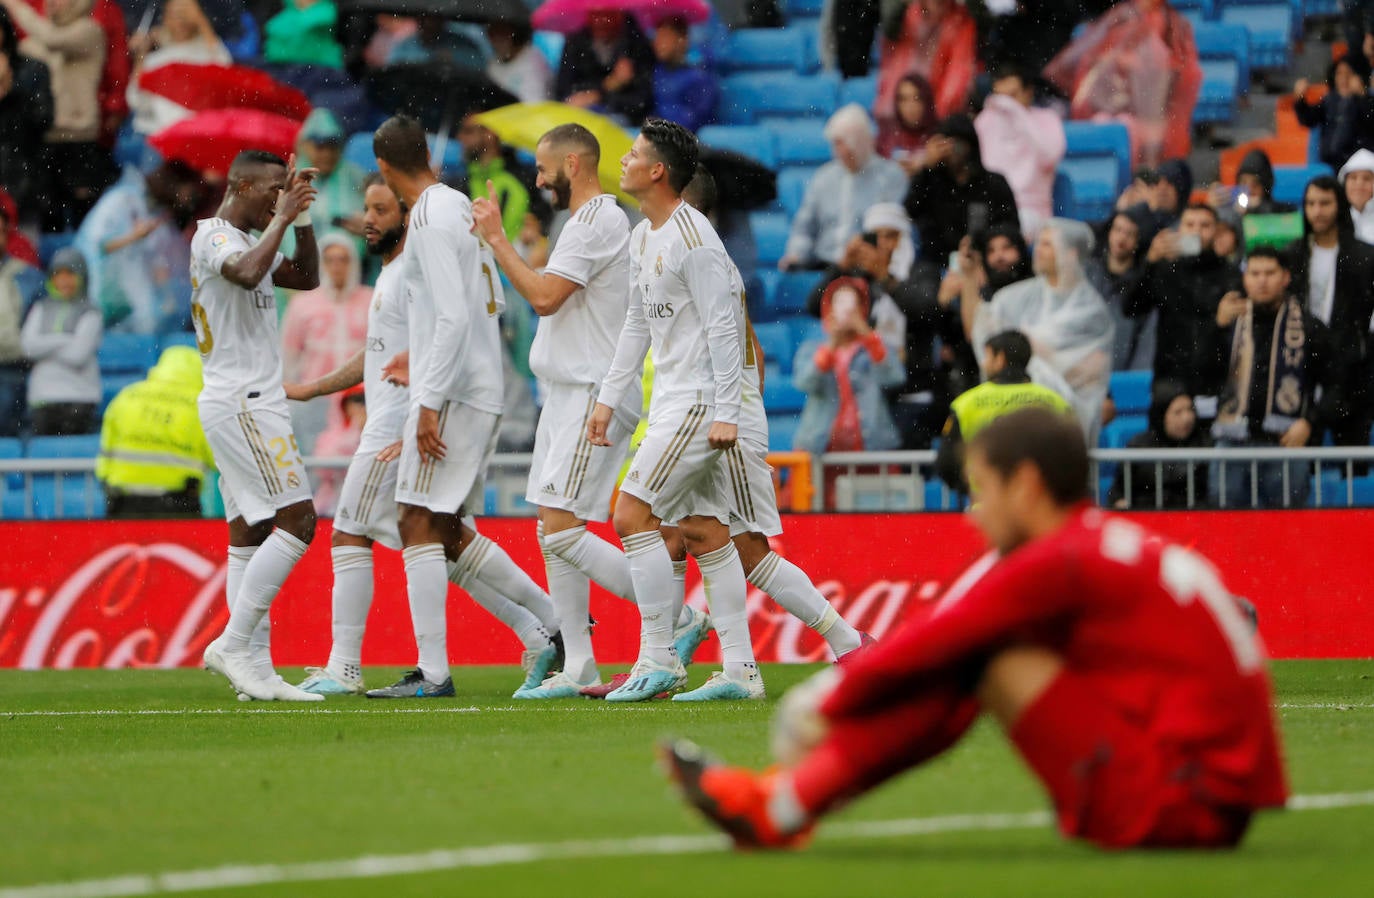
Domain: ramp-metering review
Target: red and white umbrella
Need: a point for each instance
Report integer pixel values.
(567, 16)
(202, 87)
(209, 141)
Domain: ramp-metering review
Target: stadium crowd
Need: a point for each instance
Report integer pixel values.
(933, 228)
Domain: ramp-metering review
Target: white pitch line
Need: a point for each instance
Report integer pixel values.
(510, 854)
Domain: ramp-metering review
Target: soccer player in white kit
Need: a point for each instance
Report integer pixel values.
(582, 296)
(456, 393)
(367, 504)
(682, 306)
(243, 408)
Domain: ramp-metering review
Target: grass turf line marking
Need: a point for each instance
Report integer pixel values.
(374, 866)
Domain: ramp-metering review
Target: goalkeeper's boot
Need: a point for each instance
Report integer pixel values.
(648, 679)
(732, 798)
(719, 687)
(537, 664)
(865, 640)
(560, 685)
(604, 689)
(414, 685)
(687, 639)
(323, 681)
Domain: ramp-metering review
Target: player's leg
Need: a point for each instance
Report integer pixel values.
(691, 625)
(570, 592)
(423, 534)
(792, 589)
(657, 669)
(708, 540)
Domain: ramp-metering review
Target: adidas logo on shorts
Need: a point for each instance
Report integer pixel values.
(634, 477)
(549, 488)
(343, 512)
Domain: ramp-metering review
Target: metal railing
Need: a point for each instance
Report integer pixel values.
(836, 481)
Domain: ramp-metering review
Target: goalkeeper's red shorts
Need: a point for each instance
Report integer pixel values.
(1112, 783)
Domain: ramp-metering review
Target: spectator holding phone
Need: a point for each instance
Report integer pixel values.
(1345, 115)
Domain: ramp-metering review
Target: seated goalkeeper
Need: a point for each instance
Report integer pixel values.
(1122, 670)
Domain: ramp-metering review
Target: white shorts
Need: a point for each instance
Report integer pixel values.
(459, 479)
(367, 499)
(752, 497)
(567, 471)
(260, 467)
(675, 471)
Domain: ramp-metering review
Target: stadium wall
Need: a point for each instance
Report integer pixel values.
(150, 593)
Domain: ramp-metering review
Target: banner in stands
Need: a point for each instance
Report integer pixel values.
(151, 593)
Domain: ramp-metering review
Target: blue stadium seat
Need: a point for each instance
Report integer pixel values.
(793, 289)
(792, 182)
(761, 293)
(127, 353)
(1062, 196)
(1131, 391)
(776, 339)
(358, 150)
(801, 142)
(1290, 181)
(781, 396)
(178, 338)
(805, 329)
(1313, 8)
(1116, 434)
(1092, 187)
(781, 431)
(753, 141)
(803, 8)
(49, 244)
(1364, 490)
(1333, 490)
(81, 495)
(12, 447)
(1271, 26)
(1216, 101)
(757, 96)
(859, 90)
(770, 236)
(1218, 40)
(1094, 140)
(755, 49)
(1204, 7)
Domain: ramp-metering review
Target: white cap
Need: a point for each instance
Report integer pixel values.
(1360, 160)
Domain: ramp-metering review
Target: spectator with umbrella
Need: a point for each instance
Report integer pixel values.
(607, 63)
(185, 36)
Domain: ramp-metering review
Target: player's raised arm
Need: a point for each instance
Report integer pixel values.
(256, 182)
(545, 292)
(301, 271)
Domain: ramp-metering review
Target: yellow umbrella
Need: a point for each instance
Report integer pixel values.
(522, 124)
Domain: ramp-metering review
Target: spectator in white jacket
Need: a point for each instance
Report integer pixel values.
(1021, 142)
(1357, 177)
(516, 64)
(61, 337)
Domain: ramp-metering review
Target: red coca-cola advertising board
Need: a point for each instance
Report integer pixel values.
(151, 593)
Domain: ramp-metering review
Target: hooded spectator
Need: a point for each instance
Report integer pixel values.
(18, 282)
(882, 256)
(954, 195)
(608, 66)
(1116, 270)
(1022, 142)
(1357, 178)
(1333, 279)
(70, 42)
(683, 93)
(1173, 424)
(844, 377)
(902, 136)
(938, 40)
(1069, 325)
(26, 114)
(1345, 115)
(516, 63)
(186, 37)
(138, 259)
(841, 192)
(1138, 65)
(303, 33)
(61, 336)
(322, 329)
(1255, 179)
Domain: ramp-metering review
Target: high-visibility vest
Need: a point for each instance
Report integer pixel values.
(980, 406)
(151, 441)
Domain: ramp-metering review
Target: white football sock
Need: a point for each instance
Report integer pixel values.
(570, 591)
(427, 590)
(352, 600)
(490, 564)
(652, 571)
(791, 588)
(594, 557)
(684, 614)
(260, 643)
(262, 580)
(519, 619)
(723, 576)
(239, 556)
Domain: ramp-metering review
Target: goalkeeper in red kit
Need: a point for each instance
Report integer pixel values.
(1118, 664)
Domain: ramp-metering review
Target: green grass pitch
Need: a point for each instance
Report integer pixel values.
(94, 796)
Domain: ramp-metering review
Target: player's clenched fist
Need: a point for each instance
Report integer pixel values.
(722, 435)
(597, 424)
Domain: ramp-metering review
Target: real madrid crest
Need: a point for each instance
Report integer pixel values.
(658, 265)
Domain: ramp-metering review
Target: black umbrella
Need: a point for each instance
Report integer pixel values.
(514, 11)
(438, 94)
(742, 182)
